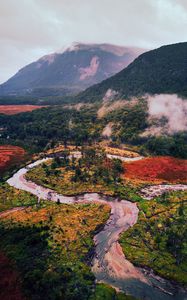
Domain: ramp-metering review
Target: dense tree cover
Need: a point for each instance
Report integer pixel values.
(175, 145)
(41, 129)
(158, 240)
(36, 100)
(162, 70)
(130, 122)
(95, 167)
(48, 126)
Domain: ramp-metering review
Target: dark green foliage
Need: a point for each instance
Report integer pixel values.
(42, 129)
(94, 167)
(175, 145)
(28, 247)
(158, 71)
(33, 100)
(38, 129)
(104, 292)
(131, 121)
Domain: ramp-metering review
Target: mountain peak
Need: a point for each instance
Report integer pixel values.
(70, 71)
(49, 58)
(111, 48)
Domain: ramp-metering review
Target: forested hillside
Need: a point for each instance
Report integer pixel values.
(46, 127)
(163, 70)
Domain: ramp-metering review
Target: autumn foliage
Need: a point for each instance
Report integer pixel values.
(157, 169)
(10, 155)
(16, 109)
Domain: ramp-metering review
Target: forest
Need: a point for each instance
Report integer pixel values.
(44, 128)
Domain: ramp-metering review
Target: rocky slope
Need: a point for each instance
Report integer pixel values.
(70, 71)
(163, 70)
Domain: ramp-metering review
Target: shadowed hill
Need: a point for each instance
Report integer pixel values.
(163, 70)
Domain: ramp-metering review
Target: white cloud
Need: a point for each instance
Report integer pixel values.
(30, 28)
(172, 107)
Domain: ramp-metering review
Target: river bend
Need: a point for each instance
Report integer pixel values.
(109, 264)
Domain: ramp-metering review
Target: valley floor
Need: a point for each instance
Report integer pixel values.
(63, 234)
(16, 109)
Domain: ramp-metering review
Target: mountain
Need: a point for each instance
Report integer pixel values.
(71, 71)
(163, 70)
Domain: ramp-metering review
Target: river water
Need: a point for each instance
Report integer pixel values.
(109, 264)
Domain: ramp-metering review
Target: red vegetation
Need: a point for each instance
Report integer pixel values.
(10, 155)
(10, 285)
(157, 169)
(16, 109)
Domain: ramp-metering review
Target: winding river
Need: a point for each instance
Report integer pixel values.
(109, 263)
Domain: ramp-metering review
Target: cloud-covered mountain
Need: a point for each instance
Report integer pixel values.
(159, 71)
(73, 70)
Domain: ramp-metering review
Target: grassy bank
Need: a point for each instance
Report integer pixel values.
(158, 240)
(11, 197)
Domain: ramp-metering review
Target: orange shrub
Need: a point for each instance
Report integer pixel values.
(157, 169)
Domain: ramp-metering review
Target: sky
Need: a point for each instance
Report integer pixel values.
(30, 29)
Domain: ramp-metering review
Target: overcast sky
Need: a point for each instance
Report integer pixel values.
(30, 29)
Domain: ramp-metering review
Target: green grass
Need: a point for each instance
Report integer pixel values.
(158, 240)
(11, 197)
(105, 292)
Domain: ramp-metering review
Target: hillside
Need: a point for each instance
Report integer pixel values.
(70, 71)
(156, 124)
(163, 70)
(42, 128)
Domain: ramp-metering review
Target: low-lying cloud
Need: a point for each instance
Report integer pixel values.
(171, 107)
